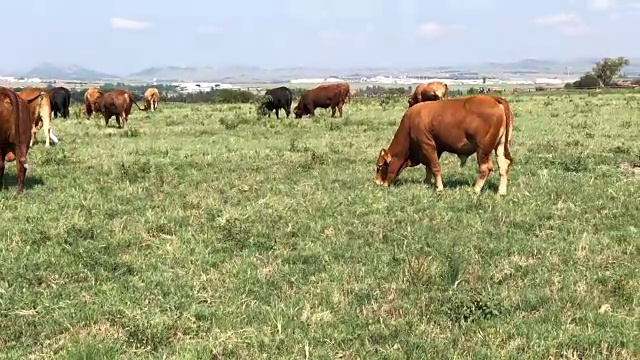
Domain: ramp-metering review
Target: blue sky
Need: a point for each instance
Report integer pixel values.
(127, 36)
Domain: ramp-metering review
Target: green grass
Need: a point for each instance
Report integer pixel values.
(200, 232)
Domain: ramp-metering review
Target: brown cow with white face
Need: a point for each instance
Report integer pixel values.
(323, 96)
(151, 99)
(90, 101)
(116, 103)
(40, 102)
(432, 91)
(15, 134)
(477, 124)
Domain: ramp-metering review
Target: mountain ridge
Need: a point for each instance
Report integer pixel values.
(255, 74)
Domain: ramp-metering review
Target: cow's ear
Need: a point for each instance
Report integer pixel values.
(387, 156)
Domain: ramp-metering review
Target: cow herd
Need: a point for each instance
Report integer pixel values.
(25, 112)
(432, 124)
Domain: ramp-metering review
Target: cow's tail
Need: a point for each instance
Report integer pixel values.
(15, 109)
(17, 130)
(508, 113)
(138, 106)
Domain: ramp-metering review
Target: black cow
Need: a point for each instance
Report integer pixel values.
(60, 99)
(276, 99)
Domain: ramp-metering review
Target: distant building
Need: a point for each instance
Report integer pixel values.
(316, 80)
(548, 81)
(192, 87)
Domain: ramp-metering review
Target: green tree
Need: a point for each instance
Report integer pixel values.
(588, 81)
(608, 68)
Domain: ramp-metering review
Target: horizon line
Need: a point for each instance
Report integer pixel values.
(350, 67)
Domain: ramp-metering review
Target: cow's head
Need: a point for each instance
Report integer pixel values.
(261, 107)
(298, 111)
(382, 167)
(411, 101)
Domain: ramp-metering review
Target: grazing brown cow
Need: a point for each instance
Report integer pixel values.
(475, 124)
(90, 101)
(432, 91)
(151, 99)
(323, 96)
(40, 102)
(15, 134)
(116, 103)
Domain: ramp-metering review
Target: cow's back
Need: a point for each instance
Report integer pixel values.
(15, 126)
(40, 109)
(453, 122)
(280, 95)
(325, 95)
(92, 94)
(6, 116)
(151, 93)
(117, 101)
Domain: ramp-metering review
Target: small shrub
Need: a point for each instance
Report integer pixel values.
(233, 122)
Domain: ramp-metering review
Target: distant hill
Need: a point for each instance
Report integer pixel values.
(237, 74)
(526, 68)
(72, 72)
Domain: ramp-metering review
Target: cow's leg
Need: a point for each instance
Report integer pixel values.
(503, 166)
(278, 113)
(463, 159)
(428, 175)
(333, 111)
(340, 109)
(433, 160)
(485, 166)
(118, 122)
(21, 165)
(46, 124)
(2, 154)
(287, 111)
(34, 132)
(106, 120)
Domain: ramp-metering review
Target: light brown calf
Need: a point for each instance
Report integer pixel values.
(151, 99)
(477, 124)
(431, 91)
(90, 101)
(41, 112)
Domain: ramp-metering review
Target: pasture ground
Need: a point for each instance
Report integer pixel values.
(200, 232)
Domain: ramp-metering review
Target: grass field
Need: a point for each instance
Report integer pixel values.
(200, 232)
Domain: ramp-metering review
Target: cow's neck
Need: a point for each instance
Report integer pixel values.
(399, 147)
